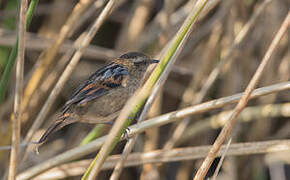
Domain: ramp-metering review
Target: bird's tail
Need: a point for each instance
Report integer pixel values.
(52, 128)
(62, 121)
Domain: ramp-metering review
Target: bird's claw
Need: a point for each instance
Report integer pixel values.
(126, 133)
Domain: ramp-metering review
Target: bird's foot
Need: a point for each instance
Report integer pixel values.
(126, 133)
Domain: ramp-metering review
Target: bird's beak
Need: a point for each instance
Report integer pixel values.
(154, 61)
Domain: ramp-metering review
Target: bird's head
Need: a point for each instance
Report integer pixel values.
(135, 62)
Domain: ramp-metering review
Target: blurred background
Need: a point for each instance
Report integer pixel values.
(231, 35)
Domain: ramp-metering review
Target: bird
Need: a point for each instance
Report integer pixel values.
(101, 97)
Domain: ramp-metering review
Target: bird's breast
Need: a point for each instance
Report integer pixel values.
(114, 100)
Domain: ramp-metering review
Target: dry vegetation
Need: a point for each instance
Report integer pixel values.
(68, 40)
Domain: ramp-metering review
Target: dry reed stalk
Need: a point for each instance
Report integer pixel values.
(48, 56)
(165, 156)
(242, 103)
(134, 25)
(16, 127)
(79, 152)
(67, 72)
(215, 73)
(135, 102)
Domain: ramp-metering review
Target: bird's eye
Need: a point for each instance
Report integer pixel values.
(139, 62)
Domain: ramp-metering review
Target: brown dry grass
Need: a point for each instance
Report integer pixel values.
(219, 60)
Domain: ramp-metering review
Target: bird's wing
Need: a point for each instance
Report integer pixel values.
(109, 77)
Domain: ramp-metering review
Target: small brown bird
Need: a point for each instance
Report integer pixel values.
(100, 98)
